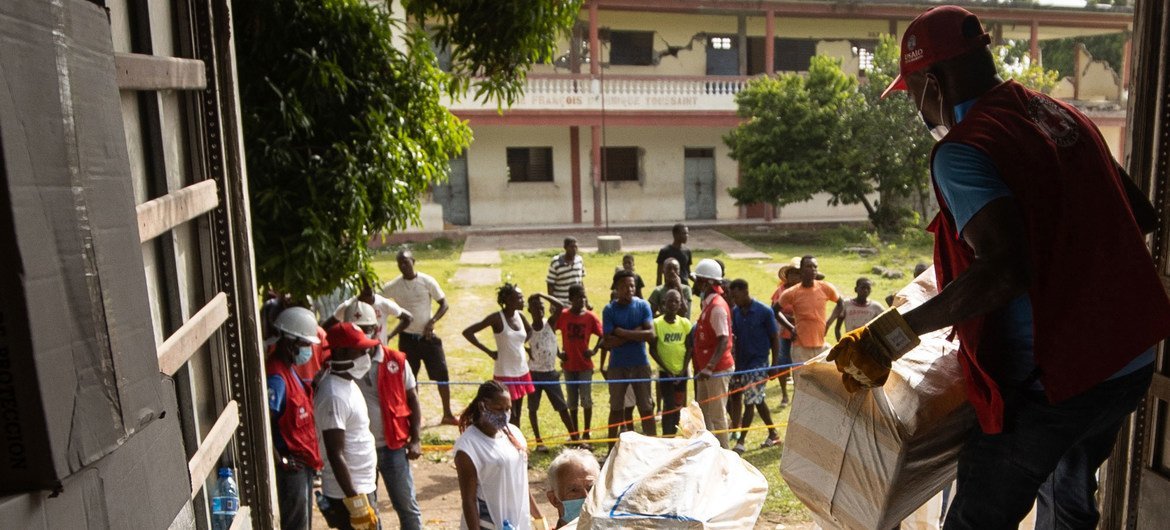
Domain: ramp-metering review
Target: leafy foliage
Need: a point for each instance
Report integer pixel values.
(825, 133)
(784, 145)
(496, 41)
(1060, 54)
(1012, 62)
(343, 124)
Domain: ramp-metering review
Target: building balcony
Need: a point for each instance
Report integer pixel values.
(619, 93)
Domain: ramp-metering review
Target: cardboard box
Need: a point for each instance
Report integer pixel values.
(78, 369)
(870, 459)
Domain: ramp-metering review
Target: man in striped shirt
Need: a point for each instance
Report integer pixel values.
(565, 270)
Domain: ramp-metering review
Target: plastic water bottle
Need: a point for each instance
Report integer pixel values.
(508, 525)
(226, 500)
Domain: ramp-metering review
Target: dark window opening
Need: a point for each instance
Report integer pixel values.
(699, 152)
(620, 164)
(631, 47)
(530, 164)
(789, 55)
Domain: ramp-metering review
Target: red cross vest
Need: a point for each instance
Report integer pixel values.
(1097, 302)
(392, 398)
(296, 424)
(705, 339)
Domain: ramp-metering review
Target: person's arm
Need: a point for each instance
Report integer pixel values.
(414, 447)
(404, 319)
(720, 346)
(644, 333)
(335, 451)
(658, 273)
(837, 318)
(468, 483)
(429, 330)
(469, 333)
(555, 308)
(1000, 272)
(601, 364)
(775, 349)
(783, 320)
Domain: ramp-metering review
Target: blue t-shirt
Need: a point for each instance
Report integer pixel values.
(752, 330)
(630, 316)
(968, 181)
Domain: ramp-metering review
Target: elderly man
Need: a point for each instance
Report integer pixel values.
(570, 477)
(1036, 223)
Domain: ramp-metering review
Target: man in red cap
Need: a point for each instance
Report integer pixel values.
(1030, 200)
(349, 480)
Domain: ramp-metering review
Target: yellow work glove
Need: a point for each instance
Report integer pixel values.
(865, 354)
(361, 514)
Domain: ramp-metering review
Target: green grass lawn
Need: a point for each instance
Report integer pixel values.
(470, 304)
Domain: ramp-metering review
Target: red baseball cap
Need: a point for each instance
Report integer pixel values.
(940, 33)
(348, 335)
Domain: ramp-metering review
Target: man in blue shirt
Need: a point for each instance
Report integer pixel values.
(628, 324)
(755, 333)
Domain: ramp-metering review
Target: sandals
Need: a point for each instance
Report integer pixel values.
(770, 442)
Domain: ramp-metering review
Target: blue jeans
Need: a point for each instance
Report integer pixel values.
(1050, 451)
(395, 471)
(294, 489)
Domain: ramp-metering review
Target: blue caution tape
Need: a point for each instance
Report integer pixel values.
(610, 381)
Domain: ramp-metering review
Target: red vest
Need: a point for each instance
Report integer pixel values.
(296, 424)
(705, 339)
(1097, 302)
(392, 399)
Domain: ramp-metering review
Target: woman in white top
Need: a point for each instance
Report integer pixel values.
(511, 331)
(491, 460)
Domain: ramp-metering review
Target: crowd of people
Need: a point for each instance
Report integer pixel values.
(1033, 205)
(345, 404)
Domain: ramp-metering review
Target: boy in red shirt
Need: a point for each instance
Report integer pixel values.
(576, 325)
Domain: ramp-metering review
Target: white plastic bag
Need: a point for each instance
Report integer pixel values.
(682, 482)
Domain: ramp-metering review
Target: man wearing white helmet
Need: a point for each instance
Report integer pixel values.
(290, 402)
(712, 349)
(395, 415)
(384, 308)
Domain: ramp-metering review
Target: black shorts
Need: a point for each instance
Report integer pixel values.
(422, 351)
(552, 387)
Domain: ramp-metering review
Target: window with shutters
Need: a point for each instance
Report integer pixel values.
(530, 164)
(621, 164)
(631, 47)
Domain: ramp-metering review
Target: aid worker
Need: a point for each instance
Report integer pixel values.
(395, 416)
(290, 404)
(712, 349)
(1037, 225)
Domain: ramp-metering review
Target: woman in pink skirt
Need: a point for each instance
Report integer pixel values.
(511, 331)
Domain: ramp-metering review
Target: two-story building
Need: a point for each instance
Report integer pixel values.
(627, 125)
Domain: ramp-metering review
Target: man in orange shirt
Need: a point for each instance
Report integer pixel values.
(806, 302)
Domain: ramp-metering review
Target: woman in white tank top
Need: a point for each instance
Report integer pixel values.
(511, 331)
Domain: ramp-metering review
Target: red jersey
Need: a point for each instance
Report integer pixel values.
(575, 333)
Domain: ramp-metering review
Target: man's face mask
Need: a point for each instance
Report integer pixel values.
(938, 131)
(304, 353)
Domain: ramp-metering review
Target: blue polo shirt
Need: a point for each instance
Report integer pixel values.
(752, 330)
(629, 316)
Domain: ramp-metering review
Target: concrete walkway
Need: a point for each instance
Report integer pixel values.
(485, 249)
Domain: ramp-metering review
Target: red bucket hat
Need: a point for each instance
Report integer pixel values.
(941, 33)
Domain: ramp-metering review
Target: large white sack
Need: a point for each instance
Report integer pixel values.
(682, 482)
(868, 460)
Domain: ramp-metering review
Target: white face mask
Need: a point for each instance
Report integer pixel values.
(937, 131)
(361, 366)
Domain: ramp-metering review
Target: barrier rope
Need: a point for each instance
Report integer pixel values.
(611, 381)
(448, 447)
(552, 440)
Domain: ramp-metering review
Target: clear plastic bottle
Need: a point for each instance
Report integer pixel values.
(226, 500)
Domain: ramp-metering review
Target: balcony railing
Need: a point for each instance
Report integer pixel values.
(622, 92)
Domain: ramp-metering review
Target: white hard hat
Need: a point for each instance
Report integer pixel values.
(708, 269)
(298, 322)
(361, 313)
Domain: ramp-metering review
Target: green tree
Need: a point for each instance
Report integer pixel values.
(784, 145)
(344, 129)
(886, 150)
(1060, 54)
(1012, 62)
